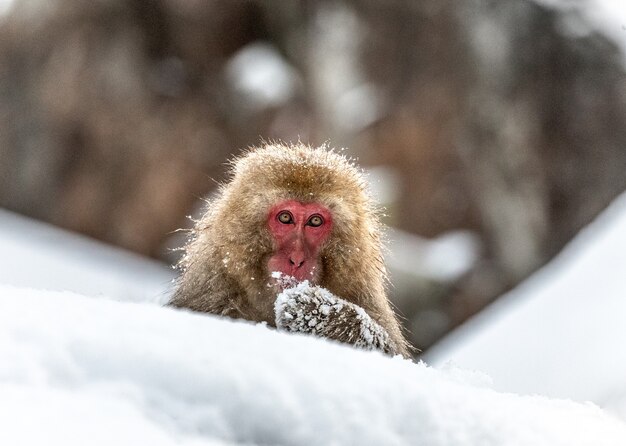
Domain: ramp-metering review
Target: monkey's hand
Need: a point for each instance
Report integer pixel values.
(315, 310)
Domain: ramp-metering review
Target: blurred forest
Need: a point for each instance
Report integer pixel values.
(498, 119)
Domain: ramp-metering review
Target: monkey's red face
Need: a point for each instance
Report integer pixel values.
(299, 230)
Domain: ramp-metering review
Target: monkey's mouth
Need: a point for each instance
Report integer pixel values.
(284, 281)
(285, 266)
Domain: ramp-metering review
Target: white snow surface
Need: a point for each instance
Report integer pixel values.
(76, 370)
(38, 255)
(561, 333)
(113, 368)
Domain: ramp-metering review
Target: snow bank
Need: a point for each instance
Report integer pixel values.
(561, 332)
(38, 255)
(77, 370)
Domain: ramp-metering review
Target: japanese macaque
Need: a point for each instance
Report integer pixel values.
(293, 240)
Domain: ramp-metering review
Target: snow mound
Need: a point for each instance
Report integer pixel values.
(39, 255)
(560, 332)
(76, 370)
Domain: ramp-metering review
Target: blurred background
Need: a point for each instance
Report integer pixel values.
(492, 131)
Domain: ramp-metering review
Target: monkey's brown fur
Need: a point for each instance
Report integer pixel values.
(224, 266)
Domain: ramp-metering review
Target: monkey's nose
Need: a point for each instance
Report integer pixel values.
(296, 259)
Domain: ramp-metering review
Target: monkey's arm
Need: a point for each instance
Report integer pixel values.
(315, 310)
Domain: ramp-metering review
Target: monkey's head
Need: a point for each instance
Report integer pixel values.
(296, 210)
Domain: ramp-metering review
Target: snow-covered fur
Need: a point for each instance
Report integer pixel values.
(312, 309)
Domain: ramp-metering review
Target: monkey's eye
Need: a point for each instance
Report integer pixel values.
(285, 218)
(315, 221)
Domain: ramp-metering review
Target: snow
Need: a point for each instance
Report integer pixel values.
(359, 107)
(37, 255)
(305, 308)
(583, 17)
(116, 369)
(261, 76)
(347, 101)
(444, 258)
(560, 333)
(95, 371)
(5, 7)
(322, 299)
(609, 18)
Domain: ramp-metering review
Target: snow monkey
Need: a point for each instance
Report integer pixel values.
(293, 240)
